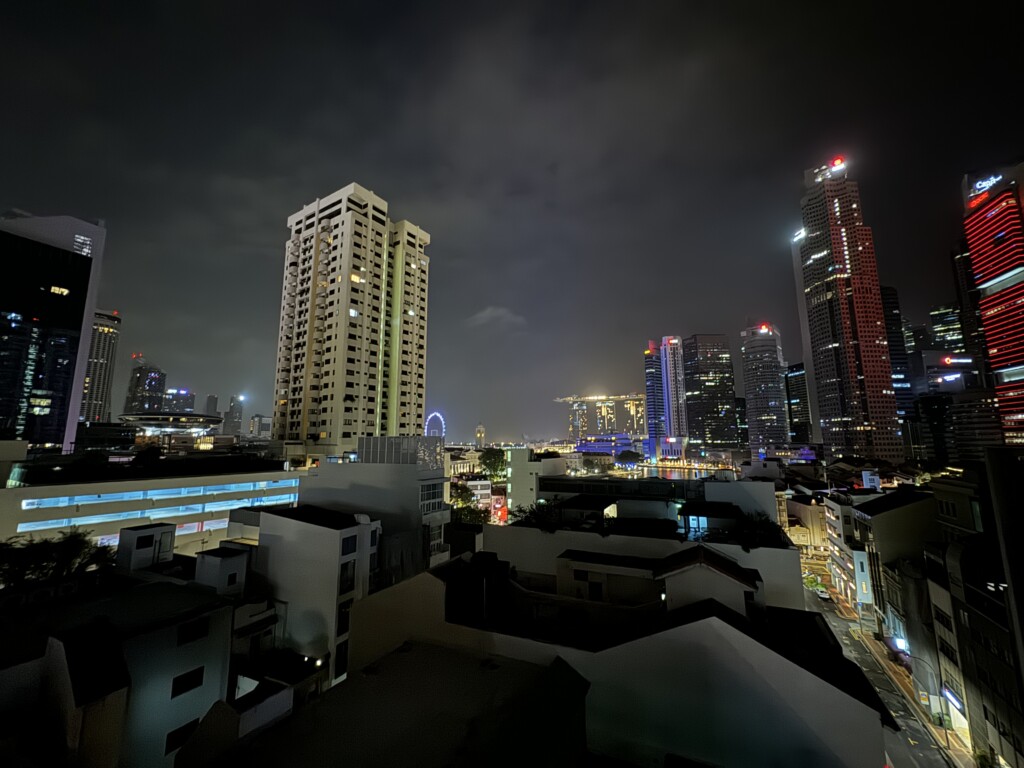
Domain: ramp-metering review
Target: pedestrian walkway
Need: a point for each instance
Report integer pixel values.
(957, 752)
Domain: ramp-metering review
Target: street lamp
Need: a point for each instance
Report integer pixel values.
(940, 696)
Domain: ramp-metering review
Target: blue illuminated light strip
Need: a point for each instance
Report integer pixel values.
(156, 493)
(156, 514)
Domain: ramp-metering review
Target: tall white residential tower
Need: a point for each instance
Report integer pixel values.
(352, 346)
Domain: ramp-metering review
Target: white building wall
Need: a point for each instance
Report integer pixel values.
(156, 658)
(752, 496)
(536, 551)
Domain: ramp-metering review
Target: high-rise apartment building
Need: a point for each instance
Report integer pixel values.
(947, 333)
(710, 392)
(655, 391)
(50, 267)
(764, 382)
(798, 407)
(211, 406)
(674, 386)
(99, 370)
(351, 357)
(844, 324)
(898, 358)
(994, 226)
(232, 424)
(146, 386)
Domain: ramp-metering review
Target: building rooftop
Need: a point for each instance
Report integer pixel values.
(421, 705)
(312, 515)
(94, 468)
(890, 501)
(223, 552)
(664, 566)
(801, 637)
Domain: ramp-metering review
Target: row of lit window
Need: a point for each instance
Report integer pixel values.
(157, 514)
(156, 493)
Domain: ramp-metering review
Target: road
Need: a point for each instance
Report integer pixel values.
(913, 746)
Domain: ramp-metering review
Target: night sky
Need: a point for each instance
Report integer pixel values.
(592, 174)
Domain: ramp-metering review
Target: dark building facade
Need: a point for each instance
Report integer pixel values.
(146, 385)
(898, 358)
(798, 405)
(47, 296)
(654, 389)
(710, 392)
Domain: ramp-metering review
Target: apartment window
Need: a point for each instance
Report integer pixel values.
(348, 545)
(944, 619)
(193, 630)
(347, 581)
(144, 542)
(373, 538)
(343, 616)
(340, 659)
(187, 681)
(177, 737)
(579, 575)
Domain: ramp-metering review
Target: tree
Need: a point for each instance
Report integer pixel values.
(473, 515)
(492, 461)
(461, 496)
(70, 554)
(589, 465)
(629, 457)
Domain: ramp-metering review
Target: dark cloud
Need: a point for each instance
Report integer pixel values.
(608, 171)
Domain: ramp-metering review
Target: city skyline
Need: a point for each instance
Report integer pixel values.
(485, 153)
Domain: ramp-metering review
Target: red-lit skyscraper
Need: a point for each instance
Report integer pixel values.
(844, 324)
(994, 228)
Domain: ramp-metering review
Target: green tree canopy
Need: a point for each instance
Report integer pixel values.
(629, 457)
(461, 496)
(492, 461)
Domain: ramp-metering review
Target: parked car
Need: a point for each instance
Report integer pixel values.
(823, 594)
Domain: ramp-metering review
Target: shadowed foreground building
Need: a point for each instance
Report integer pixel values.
(678, 642)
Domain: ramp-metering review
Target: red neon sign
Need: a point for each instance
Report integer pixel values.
(974, 202)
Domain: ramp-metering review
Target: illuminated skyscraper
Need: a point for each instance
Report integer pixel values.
(898, 357)
(798, 406)
(146, 385)
(351, 356)
(99, 370)
(674, 386)
(49, 271)
(968, 299)
(764, 381)
(844, 324)
(994, 227)
(179, 401)
(710, 392)
(481, 436)
(655, 390)
(605, 414)
(947, 333)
